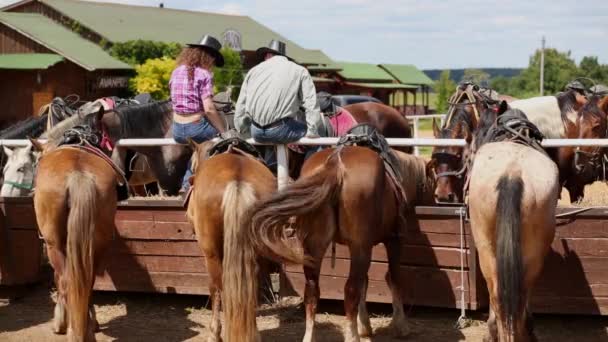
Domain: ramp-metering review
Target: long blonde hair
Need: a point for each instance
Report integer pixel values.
(193, 57)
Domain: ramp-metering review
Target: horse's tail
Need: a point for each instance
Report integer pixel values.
(239, 265)
(289, 206)
(509, 262)
(80, 250)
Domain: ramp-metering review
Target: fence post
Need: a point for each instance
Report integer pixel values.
(416, 148)
(282, 166)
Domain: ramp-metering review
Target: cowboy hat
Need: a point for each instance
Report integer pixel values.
(212, 46)
(275, 47)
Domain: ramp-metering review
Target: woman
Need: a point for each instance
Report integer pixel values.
(191, 86)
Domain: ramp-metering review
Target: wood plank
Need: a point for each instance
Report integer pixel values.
(155, 263)
(157, 215)
(438, 224)
(146, 230)
(181, 283)
(22, 264)
(570, 305)
(20, 216)
(570, 289)
(592, 247)
(582, 228)
(412, 255)
(434, 239)
(151, 247)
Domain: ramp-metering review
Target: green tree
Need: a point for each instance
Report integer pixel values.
(501, 84)
(444, 87)
(475, 76)
(153, 77)
(591, 68)
(559, 70)
(231, 74)
(135, 52)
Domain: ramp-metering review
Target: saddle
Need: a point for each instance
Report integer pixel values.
(231, 140)
(514, 126)
(87, 139)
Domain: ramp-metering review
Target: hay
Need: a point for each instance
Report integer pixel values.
(596, 195)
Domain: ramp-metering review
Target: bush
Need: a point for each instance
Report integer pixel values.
(153, 77)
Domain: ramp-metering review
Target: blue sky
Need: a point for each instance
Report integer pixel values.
(428, 34)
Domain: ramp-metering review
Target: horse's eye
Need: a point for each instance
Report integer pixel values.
(21, 169)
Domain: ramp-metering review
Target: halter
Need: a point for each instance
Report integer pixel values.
(18, 185)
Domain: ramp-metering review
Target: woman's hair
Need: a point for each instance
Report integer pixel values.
(193, 57)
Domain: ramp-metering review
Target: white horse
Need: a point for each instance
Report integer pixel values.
(19, 171)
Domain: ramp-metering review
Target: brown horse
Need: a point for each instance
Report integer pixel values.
(513, 195)
(226, 186)
(387, 120)
(344, 195)
(75, 203)
(590, 162)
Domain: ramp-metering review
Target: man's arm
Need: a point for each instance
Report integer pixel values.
(242, 121)
(310, 104)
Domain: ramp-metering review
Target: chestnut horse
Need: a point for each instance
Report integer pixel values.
(513, 195)
(226, 186)
(75, 203)
(590, 162)
(344, 195)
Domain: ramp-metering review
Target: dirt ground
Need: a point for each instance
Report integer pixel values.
(146, 317)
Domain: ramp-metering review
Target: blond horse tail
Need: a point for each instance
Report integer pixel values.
(289, 207)
(80, 250)
(239, 279)
(509, 264)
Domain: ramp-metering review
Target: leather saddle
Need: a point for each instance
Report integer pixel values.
(514, 126)
(231, 140)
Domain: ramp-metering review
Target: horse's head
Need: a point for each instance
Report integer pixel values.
(447, 162)
(19, 171)
(591, 124)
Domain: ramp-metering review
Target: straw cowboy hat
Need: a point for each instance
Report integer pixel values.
(212, 46)
(276, 47)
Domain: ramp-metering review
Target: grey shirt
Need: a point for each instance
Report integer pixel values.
(277, 89)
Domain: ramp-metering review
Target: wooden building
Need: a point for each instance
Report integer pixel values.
(40, 59)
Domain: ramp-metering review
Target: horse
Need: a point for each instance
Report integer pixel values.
(467, 105)
(513, 195)
(387, 121)
(345, 195)
(75, 204)
(225, 187)
(590, 162)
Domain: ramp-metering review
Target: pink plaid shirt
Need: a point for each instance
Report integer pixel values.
(187, 96)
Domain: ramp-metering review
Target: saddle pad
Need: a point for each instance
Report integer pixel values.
(342, 122)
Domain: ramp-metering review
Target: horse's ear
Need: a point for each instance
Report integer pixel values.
(436, 130)
(37, 145)
(100, 113)
(7, 151)
(502, 107)
(193, 144)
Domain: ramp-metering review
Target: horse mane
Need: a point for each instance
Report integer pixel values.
(592, 107)
(32, 127)
(139, 121)
(567, 102)
(480, 137)
(459, 116)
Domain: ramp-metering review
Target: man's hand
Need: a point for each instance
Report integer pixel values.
(312, 136)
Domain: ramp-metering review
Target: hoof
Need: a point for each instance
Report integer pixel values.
(59, 330)
(214, 339)
(364, 330)
(400, 330)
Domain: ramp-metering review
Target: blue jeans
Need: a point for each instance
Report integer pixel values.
(199, 131)
(288, 131)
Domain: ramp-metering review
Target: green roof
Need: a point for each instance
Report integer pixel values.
(62, 41)
(363, 72)
(382, 85)
(28, 61)
(323, 68)
(120, 23)
(407, 74)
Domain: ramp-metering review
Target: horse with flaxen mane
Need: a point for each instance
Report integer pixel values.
(225, 186)
(75, 204)
(513, 194)
(345, 195)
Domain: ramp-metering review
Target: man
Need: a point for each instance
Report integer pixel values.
(340, 119)
(271, 98)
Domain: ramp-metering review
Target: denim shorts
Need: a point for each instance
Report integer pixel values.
(199, 131)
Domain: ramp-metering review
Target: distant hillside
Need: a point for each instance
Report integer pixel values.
(456, 74)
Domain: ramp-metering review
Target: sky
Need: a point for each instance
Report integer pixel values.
(428, 33)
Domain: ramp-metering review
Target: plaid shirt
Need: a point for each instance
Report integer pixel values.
(187, 96)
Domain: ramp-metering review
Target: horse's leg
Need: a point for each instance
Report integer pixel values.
(530, 326)
(364, 326)
(214, 267)
(398, 324)
(576, 191)
(57, 260)
(360, 259)
(492, 335)
(311, 298)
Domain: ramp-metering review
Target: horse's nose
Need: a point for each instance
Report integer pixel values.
(449, 198)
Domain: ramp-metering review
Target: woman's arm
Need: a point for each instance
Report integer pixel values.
(215, 119)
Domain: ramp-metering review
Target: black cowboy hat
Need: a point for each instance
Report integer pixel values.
(275, 47)
(213, 46)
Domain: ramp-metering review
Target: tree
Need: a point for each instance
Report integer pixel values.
(153, 77)
(501, 84)
(559, 70)
(591, 68)
(135, 52)
(475, 76)
(231, 74)
(444, 87)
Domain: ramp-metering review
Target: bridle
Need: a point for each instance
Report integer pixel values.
(596, 159)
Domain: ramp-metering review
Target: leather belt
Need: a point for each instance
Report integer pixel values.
(270, 125)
